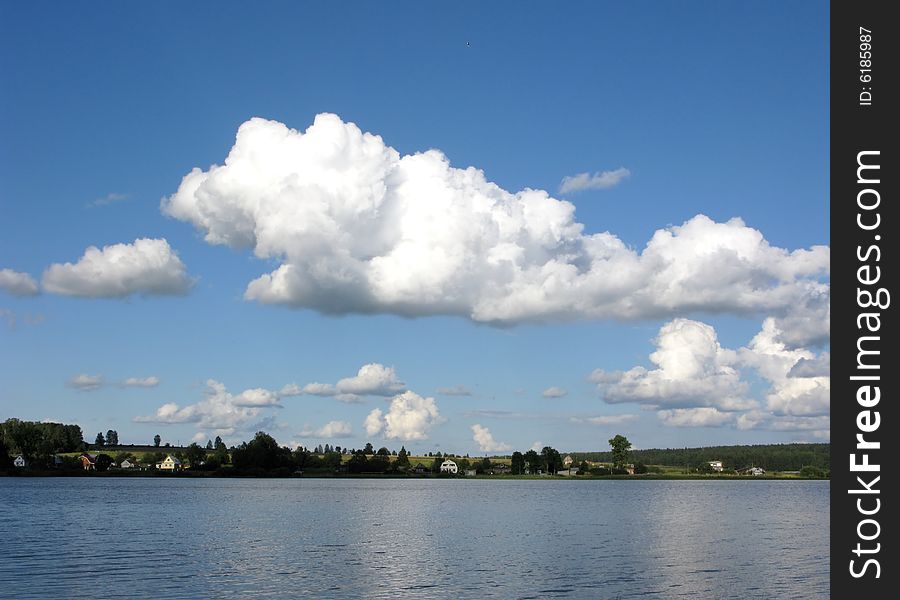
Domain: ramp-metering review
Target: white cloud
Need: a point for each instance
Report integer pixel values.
(485, 441)
(597, 181)
(537, 446)
(697, 382)
(455, 390)
(148, 267)
(17, 284)
(409, 417)
(199, 437)
(606, 419)
(789, 395)
(373, 379)
(692, 370)
(331, 429)
(358, 228)
(111, 198)
(219, 410)
(374, 423)
(145, 382)
(86, 383)
(554, 392)
(705, 416)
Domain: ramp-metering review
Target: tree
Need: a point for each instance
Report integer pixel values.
(518, 463)
(368, 449)
(112, 438)
(156, 440)
(533, 461)
(100, 442)
(262, 452)
(209, 445)
(195, 455)
(402, 458)
(383, 451)
(551, 458)
(620, 447)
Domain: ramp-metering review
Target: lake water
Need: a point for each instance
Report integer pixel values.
(418, 538)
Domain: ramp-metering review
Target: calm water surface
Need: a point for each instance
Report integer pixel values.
(421, 538)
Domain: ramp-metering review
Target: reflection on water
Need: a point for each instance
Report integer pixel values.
(368, 538)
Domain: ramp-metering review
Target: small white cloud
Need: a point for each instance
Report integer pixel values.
(485, 441)
(606, 419)
(331, 429)
(220, 409)
(18, 284)
(537, 446)
(86, 383)
(147, 267)
(144, 382)
(199, 437)
(374, 423)
(692, 370)
(409, 417)
(554, 392)
(111, 198)
(455, 390)
(705, 416)
(597, 181)
(373, 379)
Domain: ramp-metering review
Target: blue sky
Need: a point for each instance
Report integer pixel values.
(693, 108)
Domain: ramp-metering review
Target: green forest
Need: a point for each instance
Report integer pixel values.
(772, 457)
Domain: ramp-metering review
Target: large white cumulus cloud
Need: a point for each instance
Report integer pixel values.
(148, 266)
(359, 228)
(410, 417)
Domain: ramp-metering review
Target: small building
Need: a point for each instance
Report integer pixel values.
(88, 461)
(471, 473)
(448, 466)
(752, 471)
(419, 469)
(170, 464)
(568, 472)
(500, 469)
(128, 464)
(567, 461)
(19, 462)
(716, 465)
(629, 469)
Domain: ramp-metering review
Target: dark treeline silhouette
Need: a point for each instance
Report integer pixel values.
(37, 441)
(772, 457)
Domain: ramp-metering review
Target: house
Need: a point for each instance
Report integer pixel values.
(19, 461)
(419, 469)
(471, 473)
(752, 471)
(88, 461)
(568, 472)
(716, 465)
(128, 464)
(170, 464)
(629, 469)
(448, 466)
(567, 461)
(500, 469)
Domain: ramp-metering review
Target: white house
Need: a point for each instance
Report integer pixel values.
(19, 461)
(169, 464)
(756, 471)
(567, 461)
(127, 464)
(716, 465)
(448, 466)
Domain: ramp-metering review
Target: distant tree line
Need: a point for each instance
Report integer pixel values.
(772, 457)
(37, 441)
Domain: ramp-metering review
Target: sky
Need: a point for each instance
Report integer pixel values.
(459, 227)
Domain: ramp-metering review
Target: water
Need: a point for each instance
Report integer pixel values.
(419, 538)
